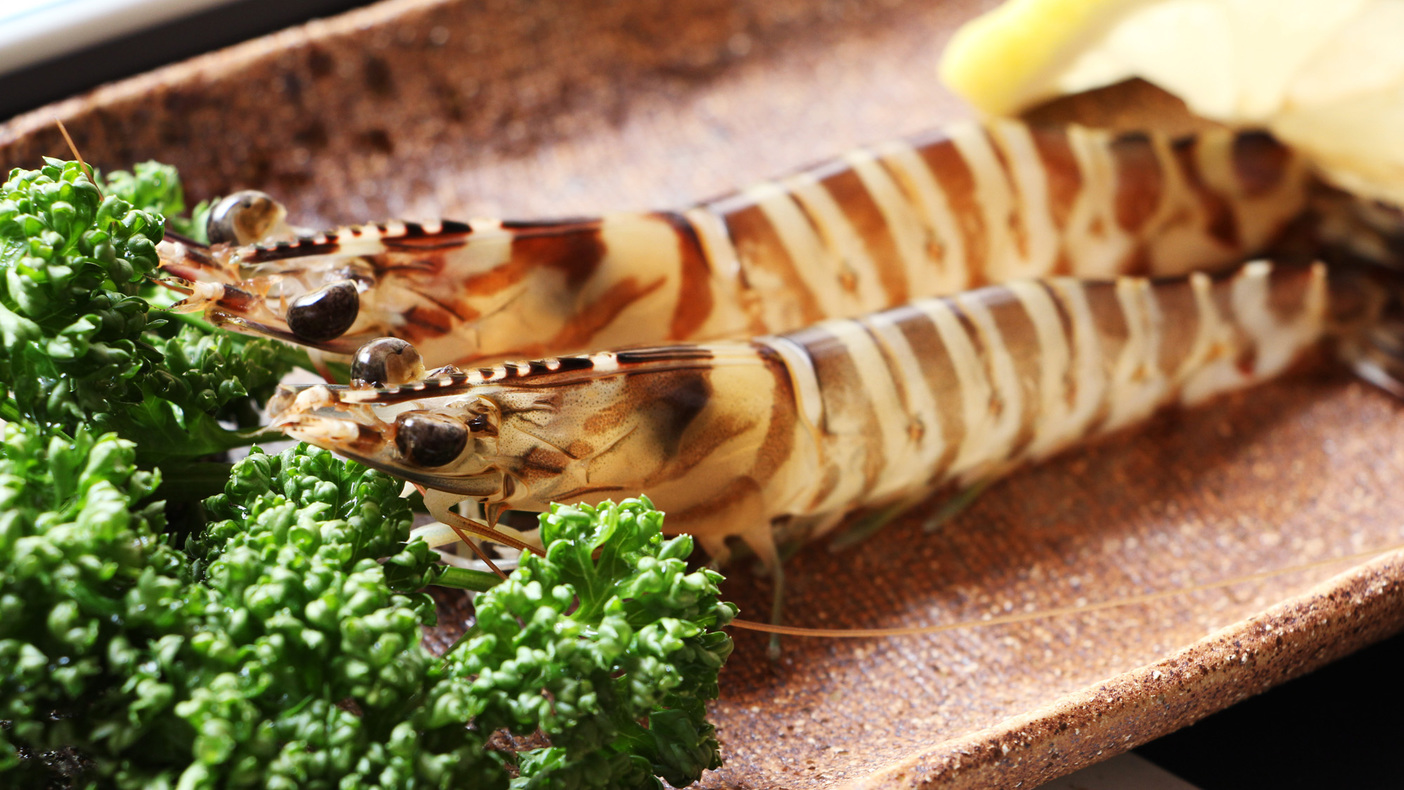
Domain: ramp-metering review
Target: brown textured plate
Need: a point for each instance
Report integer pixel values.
(532, 108)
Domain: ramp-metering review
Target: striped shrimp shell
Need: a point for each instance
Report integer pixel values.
(967, 206)
(785, 435)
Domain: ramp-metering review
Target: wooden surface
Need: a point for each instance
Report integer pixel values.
(420, 109)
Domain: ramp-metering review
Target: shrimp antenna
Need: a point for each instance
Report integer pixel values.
(918, 630)
(84, 166)
(186, 240)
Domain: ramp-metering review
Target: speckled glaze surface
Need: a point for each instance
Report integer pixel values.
(508, 107)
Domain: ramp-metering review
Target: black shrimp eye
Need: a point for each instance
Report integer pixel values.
(324, 314)
(386, 362)
(243, 217)
(482, 425)
(429, 440)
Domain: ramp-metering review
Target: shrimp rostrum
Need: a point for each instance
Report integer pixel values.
(968, 206)
(778, 438)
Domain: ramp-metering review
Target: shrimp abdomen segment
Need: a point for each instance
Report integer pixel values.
(963, 388)
(980, 204)
(862, 412)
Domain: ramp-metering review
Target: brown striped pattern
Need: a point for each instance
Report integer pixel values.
(733, 439)
(960, 389)
(969, 206)
(976, 205)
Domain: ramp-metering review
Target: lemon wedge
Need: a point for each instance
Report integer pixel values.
(1326, 76)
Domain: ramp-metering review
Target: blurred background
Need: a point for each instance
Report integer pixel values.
(52, 49)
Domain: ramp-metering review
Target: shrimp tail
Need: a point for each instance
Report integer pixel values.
(1372, 335)
(1351, 229)
(1363, 241)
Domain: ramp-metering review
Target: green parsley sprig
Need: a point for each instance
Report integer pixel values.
(79, 345)
(280, 647)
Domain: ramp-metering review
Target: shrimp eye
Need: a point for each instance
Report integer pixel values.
(482, 425)
(243, 218)
(429, 439)
(325, 313)
(386, 362)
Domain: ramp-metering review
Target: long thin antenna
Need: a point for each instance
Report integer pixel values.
(917, 630)
(92, 175)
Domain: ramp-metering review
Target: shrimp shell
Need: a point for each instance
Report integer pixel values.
(967, 206)
(783, 436)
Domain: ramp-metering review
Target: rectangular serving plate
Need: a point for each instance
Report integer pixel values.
(418, 109)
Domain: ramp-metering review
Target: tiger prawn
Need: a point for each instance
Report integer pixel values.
(962, 207)
(780, 438)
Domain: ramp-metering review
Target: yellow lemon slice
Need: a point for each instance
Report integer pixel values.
(1326, 76)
